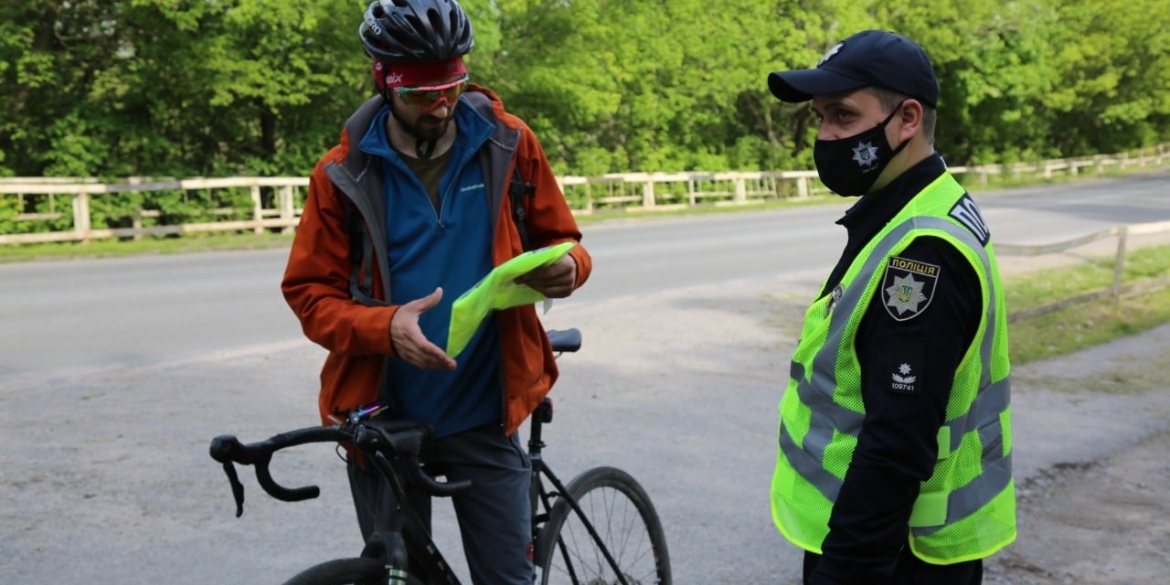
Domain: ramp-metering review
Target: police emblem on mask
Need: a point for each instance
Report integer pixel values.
(865, 154)
(908, 287)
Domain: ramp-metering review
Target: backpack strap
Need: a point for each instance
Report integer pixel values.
(518, 190)
(361, 253)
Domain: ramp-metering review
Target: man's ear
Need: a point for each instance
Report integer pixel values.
(911, 117)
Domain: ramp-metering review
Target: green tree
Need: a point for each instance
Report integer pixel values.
(182, 88)
(991, 59)
(1113, 59)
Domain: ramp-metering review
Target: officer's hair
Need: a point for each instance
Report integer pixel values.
(890, 99)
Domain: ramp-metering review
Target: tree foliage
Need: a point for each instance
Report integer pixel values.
(181, 88)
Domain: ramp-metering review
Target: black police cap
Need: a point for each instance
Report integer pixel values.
(868, 58)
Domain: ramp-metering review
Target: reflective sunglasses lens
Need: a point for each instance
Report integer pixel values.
(420, 99)
(429, 98)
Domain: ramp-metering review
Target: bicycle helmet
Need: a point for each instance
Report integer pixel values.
(401, 31)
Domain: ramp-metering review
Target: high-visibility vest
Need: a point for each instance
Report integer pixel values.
(966, 510)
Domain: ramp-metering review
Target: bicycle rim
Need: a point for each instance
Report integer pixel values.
(625, 521)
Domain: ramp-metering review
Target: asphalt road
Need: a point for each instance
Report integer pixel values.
(114, 375)
(138, 311)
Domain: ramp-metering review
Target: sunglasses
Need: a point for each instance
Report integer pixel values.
(429, 98)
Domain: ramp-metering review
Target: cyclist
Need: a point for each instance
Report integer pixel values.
(411, 208)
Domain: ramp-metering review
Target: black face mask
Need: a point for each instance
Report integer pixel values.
(849, 166)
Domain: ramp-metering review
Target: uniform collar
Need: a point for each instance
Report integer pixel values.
(875, 209)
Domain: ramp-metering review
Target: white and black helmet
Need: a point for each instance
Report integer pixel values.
(402, 31)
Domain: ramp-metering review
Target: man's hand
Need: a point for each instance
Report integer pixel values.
(408, 340)
(554, 281)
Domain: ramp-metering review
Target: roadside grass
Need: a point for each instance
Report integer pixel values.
(1087, 325)
(1081, 326)
(185, 244)
(1032, 289)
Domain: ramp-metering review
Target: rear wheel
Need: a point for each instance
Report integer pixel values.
(356, 571)
(626, 523)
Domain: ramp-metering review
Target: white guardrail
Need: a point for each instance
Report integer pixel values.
(1117, 289)
(275, 199)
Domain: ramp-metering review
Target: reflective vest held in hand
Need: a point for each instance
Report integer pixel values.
(966, 510)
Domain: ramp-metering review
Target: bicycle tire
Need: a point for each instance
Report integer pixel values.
(354, 571)
(605, 495)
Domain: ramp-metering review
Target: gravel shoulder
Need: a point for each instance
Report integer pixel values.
(1094, 494)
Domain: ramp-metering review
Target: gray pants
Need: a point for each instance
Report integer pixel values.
(494, 515)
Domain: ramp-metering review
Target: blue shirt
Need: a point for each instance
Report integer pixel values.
(449, 248)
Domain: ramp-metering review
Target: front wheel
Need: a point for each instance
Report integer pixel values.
(626, 524)
(356, 571)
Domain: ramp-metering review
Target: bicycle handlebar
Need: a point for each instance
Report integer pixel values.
(402, 438)
(405, 442)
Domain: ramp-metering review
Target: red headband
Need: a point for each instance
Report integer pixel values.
(415, 74)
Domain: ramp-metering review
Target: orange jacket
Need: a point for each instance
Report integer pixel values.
(338, 287)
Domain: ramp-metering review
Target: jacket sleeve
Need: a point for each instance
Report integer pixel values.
(550, 221)
(316, 279)
(897, 447)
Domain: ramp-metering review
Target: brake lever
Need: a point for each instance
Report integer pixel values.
(237, 487)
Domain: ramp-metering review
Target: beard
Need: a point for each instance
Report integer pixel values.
(425, 128)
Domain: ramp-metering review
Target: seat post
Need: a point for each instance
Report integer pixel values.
(542, 414)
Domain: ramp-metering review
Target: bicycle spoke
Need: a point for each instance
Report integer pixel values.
(631, 521)
(601, 562)
(617, 522)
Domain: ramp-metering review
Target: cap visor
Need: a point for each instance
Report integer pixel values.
(802, 84)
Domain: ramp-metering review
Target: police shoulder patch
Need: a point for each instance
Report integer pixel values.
(908, 287)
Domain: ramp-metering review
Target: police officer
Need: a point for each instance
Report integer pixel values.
(894, 459)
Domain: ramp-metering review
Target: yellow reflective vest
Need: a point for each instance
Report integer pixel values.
(966, 510)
